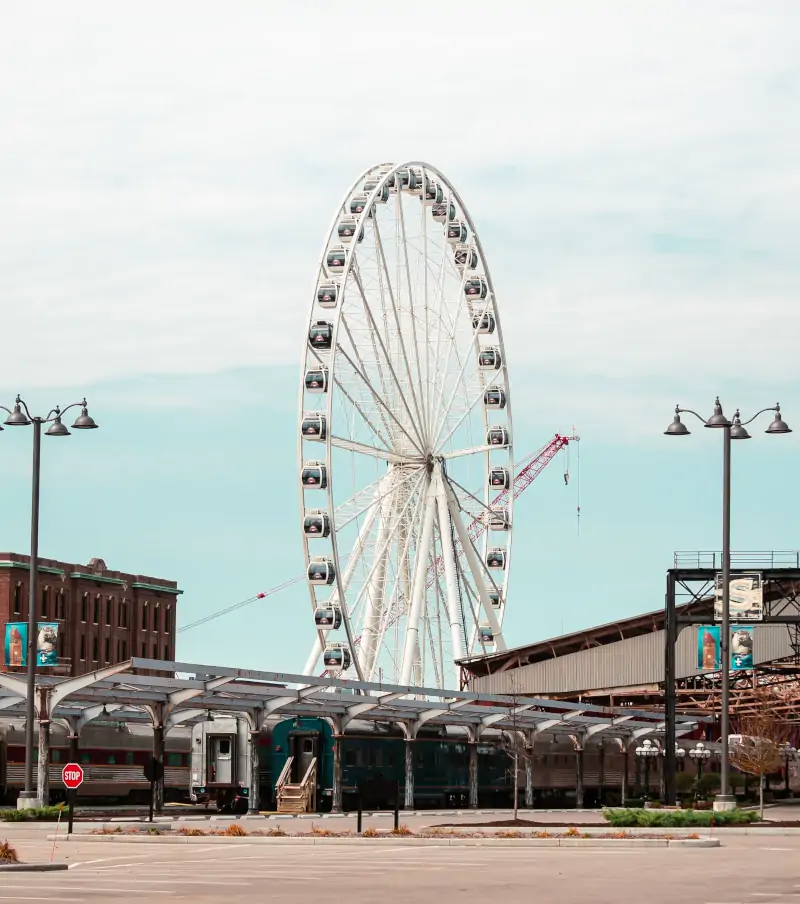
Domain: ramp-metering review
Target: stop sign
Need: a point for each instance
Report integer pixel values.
(72, 776)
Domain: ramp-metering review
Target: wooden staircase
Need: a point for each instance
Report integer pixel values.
(297, 797)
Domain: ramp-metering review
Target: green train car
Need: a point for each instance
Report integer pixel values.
(373, 764)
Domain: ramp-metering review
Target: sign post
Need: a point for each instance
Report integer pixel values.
(72, 776)
(153, 772)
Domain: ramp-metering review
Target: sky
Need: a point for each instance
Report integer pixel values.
(167, 177)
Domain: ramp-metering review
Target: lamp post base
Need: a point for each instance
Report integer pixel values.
(724, 802)
(28, 800)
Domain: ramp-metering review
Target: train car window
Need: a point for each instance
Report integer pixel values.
(55, 756)
(350, 758)
(129, 758)
(224, 747)
(174, 759)
(84, 758)
(112, 760)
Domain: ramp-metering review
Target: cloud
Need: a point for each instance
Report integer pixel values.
(167, 179)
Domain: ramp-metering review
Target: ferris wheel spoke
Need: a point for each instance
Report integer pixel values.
(368, 497)
(473, 450)
(402, 221)
(396, 316)
(351, 445)
(477, 397)
(376, 396)
(416, 424)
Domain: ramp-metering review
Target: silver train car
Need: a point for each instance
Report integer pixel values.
(113, 755)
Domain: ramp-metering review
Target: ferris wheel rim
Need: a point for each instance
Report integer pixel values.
(386, 173)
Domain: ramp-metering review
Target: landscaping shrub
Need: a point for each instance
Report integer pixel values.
(234, 830)
(34, 813)
(677, 818)
(402, 830)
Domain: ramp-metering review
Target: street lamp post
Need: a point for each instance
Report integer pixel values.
(730, 430)
(647, 751)
(700, 754)
(21, 417)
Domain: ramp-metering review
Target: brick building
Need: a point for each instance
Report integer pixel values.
(104, 616)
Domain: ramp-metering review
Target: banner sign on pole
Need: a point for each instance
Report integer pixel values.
(47, 644)
(16, 645)
(708, 648)
(745, 595)
(741, 648)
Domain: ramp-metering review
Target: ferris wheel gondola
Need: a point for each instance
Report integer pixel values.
(396, 398)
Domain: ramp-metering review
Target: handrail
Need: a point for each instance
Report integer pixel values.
(312, 767)
(285, 772)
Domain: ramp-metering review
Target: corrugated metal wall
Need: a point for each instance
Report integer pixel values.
(635, 661)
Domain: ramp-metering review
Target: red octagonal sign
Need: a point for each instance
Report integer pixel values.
(72, 776)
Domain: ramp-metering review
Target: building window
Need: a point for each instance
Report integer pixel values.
(144, 616)
(144, 651)
(156, 617)
(124, 650)
(108, 650)
(84, 606)
(61, 607)
(95, 650)
(83, 646)
(122, 614)
(109, 603)
(167, 619)
(155, 650)
(166, 653)
(96, 618)
(45, 602)
(60, 644)
(17, 599)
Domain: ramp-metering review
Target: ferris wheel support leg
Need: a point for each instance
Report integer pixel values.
(376, 591)
(476, 569)
(449, 557)
(411, 645)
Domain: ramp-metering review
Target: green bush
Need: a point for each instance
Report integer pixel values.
(34, 813)
(652, 819)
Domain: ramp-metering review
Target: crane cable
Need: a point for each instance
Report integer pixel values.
(260, 596)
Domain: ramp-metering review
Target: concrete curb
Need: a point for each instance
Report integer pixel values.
(406, 842)
(32, 867)
(599, 829)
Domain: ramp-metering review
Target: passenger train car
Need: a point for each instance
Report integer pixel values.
(113, 755)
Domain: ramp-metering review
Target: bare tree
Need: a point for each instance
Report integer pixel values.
(757, 749)
(514, 744)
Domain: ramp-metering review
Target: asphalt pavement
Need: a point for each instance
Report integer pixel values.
(746, 870)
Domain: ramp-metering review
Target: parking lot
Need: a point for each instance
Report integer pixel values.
(745, 870)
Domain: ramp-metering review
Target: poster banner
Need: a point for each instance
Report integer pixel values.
(741, 648)
(746, 595)
(708, 648)
(47, 644)
(17, 643)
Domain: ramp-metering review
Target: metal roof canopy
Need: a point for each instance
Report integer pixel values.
(259, 695)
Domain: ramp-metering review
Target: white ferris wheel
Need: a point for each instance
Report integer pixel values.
(405, 437)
